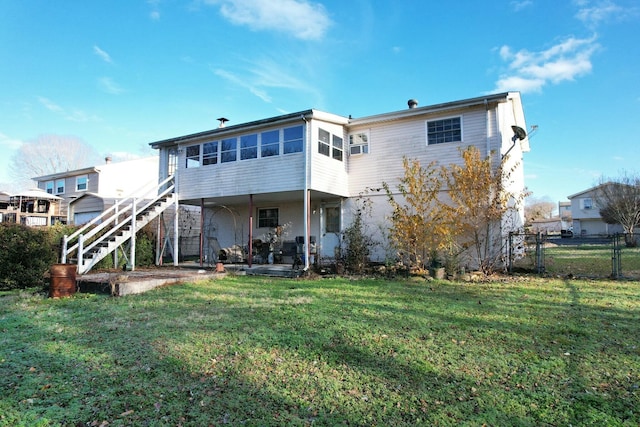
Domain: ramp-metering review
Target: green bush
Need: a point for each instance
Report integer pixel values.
(145, 253)
(26, 253)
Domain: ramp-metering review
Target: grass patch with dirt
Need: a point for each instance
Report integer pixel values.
(265, 351)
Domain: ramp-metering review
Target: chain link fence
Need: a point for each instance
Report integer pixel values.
(616, 256)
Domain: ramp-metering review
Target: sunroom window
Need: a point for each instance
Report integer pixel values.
(210, 153)
(249, 147)
(292, 141)
(228, 150)
(270, 143)
(193, 156)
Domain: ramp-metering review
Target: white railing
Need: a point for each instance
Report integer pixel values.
(111, 220)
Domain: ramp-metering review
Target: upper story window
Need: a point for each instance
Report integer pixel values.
(292, 141)
(270, 143)
(82, 182)
(444, 130)
(337, 149)
(249, 147)
(587, 203)
(59, 186)
(210, 153)
(228, 152)
(330, 145)
(267, 217)
(193, 156)
(359, 143)
(48, 187)
(324, 142)
(266, 144)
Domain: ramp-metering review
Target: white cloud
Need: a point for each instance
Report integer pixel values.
(602, 11)
(107, 85)
(75, 115)
(155, 12)
(102, 54)
(518, 5)
(304, 19)
(50, 105)
(8, 143)
(531, 71)
(261, 75)
(242, 83)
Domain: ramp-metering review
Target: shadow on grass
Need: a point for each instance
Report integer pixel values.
(327, 353)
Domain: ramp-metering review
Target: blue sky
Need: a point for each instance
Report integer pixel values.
(119, 74)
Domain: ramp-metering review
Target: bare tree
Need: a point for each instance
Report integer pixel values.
(536, 208)
(619, 202)
(48, 154)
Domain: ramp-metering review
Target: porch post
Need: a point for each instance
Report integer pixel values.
(307, 228)
(202, 229)
(175, 234)
(249, 256)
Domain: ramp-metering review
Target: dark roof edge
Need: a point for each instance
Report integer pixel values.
(233, 128)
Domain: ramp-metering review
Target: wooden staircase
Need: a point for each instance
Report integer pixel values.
(117, 226)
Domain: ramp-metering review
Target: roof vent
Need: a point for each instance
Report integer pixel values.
(413, 103)
(222, 121)
(107, 160)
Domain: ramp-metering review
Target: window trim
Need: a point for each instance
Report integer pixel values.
(49, 187)
(362, 146)
(57, 187)
(248, 146)
(337, 147)
(212, 157)
(230, 155)
(192, 160)
(441, 119)
(269, 219)
(288, 142)
(79, 178)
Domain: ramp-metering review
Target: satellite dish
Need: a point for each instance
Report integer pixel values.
(519, 133)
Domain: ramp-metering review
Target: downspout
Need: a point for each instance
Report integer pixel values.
(307, 171)
(487, 127)
(176, 191)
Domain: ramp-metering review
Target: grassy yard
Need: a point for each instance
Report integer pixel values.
(261, 351)
(590, 260)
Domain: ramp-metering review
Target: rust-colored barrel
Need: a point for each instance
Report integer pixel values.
(63, 280)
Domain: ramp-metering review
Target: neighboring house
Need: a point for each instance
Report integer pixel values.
(31, 207)
(564, 211)
(88, 192)
(586, 215)
(295, 178)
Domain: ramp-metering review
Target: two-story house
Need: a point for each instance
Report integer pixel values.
(88, 192)
(30, 207)
(585, 214)
(295, 178)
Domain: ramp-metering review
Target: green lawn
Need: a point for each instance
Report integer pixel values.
(261, 351)
(590, 260)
